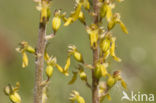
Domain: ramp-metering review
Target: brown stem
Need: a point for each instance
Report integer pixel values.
(95, 81)
(39, 62)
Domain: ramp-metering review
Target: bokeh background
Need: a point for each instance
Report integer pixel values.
(19, 21)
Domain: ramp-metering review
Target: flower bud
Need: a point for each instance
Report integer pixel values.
(83, 75)
(56, 22)
(97, 71)
(103, 10)
(93, 35)
(124, 85)
(30, 49)
(75, 97)
(59, 68)
(82, 18)
(78, 56)
(105, 44)
(25, 60)
(15, 97)
(106, 54)
(7, 90)
(112, 50)
(123, 27)
(49, 71)
(67, 64)
(86, 4)
(73, 78)
(111, 81)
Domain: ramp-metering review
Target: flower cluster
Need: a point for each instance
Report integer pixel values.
(12, 92)
(101, 39)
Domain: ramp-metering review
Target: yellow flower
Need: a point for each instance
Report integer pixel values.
(93, 35)
(101, 70)
(74, 15)
(15, 97)
(112, 50)
(111, 81)
(74, 77)
(67, 65)
(30, 49)
(49, 71)
(109, 12)
(25, 60)
(45, 11)
(105, 44)
(103, 10)
(7, 90)
(123, 83)
(56, 21)
(86, 4)
(82, 18)
(116, 20)
(77, 55)
(59, 68)
(75, 97)
(83, 75)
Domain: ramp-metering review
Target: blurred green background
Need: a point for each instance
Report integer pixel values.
(19, 21)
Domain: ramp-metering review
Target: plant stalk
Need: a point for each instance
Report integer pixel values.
(95, 81)
(41, 44)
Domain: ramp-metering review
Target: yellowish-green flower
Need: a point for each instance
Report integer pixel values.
(24, 60)
(82, 74)
(93, 31)
(12, 92)
(86, 4)
(56, 21)
(101, 70)
(45, 11)
(75, 97)
(67, 65)
(111, 81)
(74, 15)
(49, 71)
(15, 97)
(77, 55)
(74, 77)
(59, 68)
(82, 18)
(112, 50)
(116, 20)
(105, 44)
